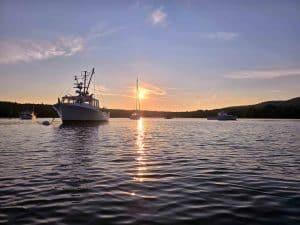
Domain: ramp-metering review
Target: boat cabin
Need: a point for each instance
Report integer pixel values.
(89, 99)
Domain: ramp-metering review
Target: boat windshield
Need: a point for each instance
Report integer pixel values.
(81, 100)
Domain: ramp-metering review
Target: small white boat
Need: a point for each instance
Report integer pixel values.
(223, 116)
(137, 114)
(83, 107)
(27, 115)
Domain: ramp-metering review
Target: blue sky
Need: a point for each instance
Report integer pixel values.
(188, 54)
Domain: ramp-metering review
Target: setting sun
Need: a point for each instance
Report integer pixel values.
(142, 93)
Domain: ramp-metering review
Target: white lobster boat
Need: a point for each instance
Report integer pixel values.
(83, 106)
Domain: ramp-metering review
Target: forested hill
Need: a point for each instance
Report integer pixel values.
(270, 109)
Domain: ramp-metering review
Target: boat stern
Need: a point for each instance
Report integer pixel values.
(57, 108)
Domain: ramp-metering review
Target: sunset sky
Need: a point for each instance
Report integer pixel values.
(187, 54)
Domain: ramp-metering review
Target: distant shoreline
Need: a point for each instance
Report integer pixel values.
(289, 109)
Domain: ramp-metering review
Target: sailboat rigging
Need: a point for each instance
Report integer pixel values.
(137, 115)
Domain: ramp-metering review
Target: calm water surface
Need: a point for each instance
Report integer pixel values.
(152, 171)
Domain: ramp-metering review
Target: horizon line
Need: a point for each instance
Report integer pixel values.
(27, 103)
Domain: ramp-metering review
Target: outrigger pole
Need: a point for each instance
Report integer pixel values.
(92, 73)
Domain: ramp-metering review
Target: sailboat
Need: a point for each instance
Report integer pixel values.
(136, 115)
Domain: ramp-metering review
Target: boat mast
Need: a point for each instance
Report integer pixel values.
(136, 95)
(84, 82)
(138, 104)
(78, 85)
(92, 73)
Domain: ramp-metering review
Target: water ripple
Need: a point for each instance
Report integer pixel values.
(152, 171)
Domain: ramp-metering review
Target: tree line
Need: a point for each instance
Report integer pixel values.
(271, 109)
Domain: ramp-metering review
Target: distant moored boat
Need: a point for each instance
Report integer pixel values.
(27, 115)
(223, 116)
(168, 117)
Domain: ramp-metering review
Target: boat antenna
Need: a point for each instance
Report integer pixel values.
(92, 73)
(138, 94)
(84, 81)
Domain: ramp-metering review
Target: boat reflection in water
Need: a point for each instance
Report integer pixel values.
(80, 124)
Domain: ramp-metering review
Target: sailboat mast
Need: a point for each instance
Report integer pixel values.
(136, 94)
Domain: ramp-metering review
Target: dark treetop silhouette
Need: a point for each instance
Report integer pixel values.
(270, 109)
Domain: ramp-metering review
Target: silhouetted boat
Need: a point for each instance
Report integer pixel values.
(82, 107)
(223, 116)
(137, 114)
(168, 117)
(27, 115)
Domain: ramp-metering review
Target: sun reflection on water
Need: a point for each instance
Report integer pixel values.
(140, 152)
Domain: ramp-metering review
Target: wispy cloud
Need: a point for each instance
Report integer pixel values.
(158, 16)
(263, 73)
(101, 30)
(152, 90)
(104, 91)
(224, 36)
(13, 51)
(148, 89)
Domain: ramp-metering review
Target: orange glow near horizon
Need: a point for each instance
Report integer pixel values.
(155, 103)
(152, 97)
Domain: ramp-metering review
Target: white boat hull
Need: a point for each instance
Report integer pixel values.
(135, 116)
(79, 112)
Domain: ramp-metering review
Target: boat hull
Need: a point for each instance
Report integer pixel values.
(79, 113)
(135, 116)
(26, 117)
(222, 118)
